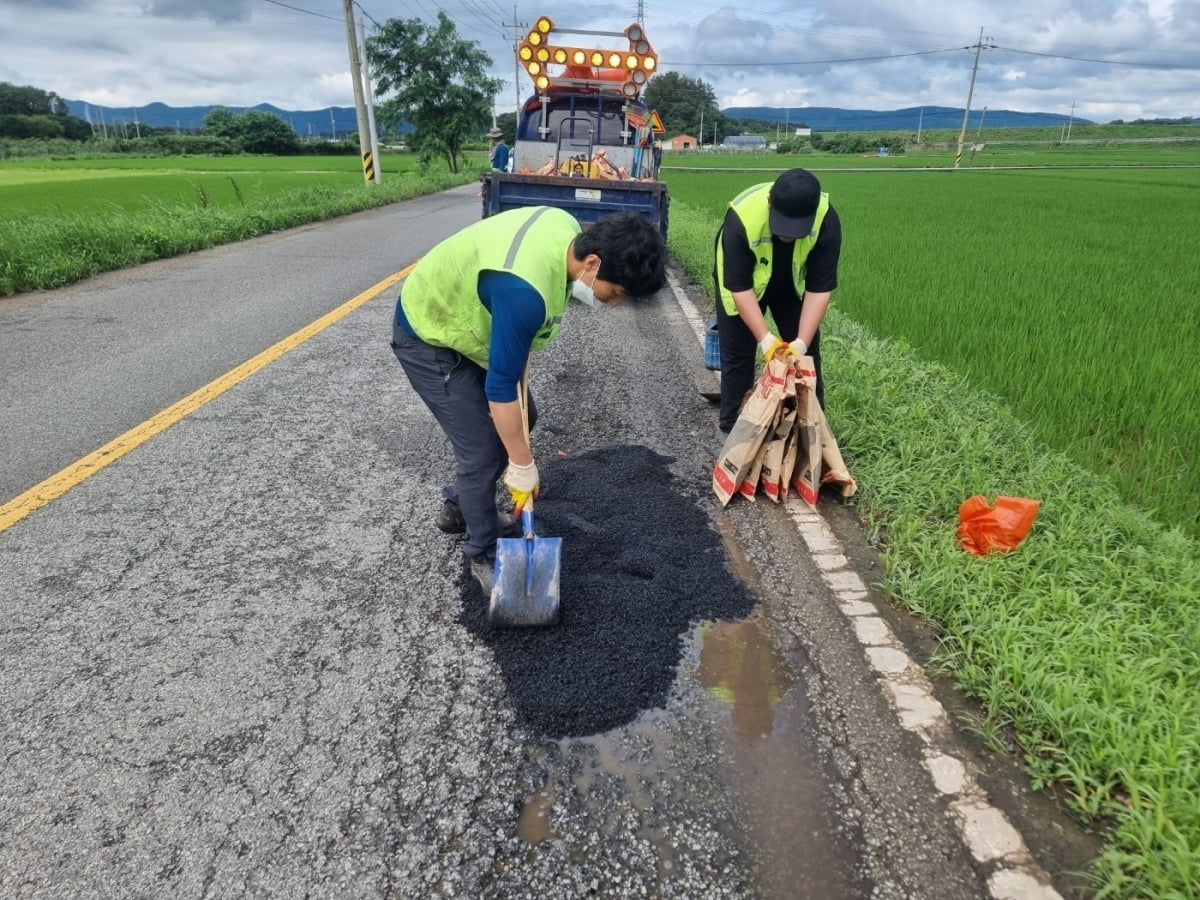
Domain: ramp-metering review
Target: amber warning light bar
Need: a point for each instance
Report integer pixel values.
(586, 66)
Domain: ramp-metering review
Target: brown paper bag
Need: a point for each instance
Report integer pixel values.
(833, 467)
(790, 452)
(758, 417)
(772, 455)
(806, 477)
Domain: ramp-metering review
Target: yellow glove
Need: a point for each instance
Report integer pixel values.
(522, 482)
(770, 345)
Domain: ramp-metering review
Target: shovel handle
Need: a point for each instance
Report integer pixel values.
(523, 399)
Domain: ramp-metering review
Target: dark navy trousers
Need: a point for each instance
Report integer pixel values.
(452, 387)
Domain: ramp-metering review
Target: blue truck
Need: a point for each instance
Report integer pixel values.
(585, 140)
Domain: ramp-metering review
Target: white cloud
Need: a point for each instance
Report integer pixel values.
(766, 53)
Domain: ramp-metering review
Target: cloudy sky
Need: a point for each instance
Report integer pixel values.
(1096, 59)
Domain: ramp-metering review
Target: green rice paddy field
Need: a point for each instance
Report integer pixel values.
(63, 220)
(1073, 295)
(88, 186)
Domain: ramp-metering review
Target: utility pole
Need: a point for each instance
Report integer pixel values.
(517, 28)
(962, 132)
(920, 119)
(360, 109)
(701, 147)
(978, 132)
(366, 78)
(1069, 121)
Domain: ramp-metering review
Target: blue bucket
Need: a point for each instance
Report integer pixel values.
(712, 346)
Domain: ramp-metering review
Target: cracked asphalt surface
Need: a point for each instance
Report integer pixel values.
(240, 661)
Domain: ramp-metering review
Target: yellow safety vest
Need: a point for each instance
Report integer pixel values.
(441, 298)
(751, 207)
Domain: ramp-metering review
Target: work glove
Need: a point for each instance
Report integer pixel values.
(770, 345)
(522, 483)
(798, 347)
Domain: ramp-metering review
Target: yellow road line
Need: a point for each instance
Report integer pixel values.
(58, 484)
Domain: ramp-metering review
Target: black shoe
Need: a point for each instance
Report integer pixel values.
(483, 570)
(451, 521)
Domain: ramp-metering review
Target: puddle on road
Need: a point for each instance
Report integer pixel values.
(533, 826)
(739, 667)
(774, 767)
(778, 780)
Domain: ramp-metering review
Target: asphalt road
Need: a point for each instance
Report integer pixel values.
(239, 661)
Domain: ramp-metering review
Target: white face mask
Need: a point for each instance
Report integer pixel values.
(585, 293)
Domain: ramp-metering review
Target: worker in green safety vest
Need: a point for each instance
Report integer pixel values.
(466, 321)
(777, 251)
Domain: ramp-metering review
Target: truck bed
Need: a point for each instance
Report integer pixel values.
(585, 198)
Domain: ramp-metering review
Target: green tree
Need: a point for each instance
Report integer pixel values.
(683, 102)
(440, 85)
(507, 122)
(24, 100)
(254, 131)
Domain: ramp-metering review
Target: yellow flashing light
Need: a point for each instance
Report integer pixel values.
(538, 51)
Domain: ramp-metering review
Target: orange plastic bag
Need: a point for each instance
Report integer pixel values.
(983, 528)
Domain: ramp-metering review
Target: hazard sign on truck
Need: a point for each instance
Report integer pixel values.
(585, 140)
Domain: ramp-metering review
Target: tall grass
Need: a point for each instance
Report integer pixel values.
(1085, 642)
(119, 226)
(1072, 295)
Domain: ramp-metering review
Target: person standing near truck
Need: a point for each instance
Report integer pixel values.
(466, 321)
(777, 250)
(498, 155)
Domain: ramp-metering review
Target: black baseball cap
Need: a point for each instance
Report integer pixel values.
(794, 197)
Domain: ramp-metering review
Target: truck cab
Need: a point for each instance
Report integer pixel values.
(564, 130)
(585, 140)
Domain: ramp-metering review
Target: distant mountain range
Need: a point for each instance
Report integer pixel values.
(828, 118)
(341, 120)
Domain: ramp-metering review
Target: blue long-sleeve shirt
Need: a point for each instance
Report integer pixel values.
(518, 313)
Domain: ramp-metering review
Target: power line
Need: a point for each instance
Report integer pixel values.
(1109, 62)
(305, 11)
(367, 14)
(816, 62)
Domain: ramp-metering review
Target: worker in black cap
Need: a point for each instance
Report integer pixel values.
(777, 250)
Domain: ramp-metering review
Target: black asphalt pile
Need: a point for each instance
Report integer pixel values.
(640, 564)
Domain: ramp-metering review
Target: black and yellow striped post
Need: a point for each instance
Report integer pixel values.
(368, 166)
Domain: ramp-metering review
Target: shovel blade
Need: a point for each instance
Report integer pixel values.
(525, 590)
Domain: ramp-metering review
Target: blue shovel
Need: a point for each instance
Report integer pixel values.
(525, 590)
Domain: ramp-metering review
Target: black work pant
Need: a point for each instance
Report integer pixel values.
(738, 349)
(452, 387)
